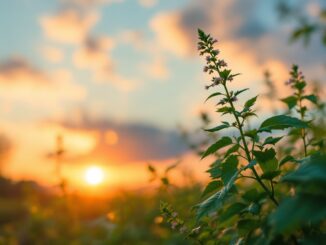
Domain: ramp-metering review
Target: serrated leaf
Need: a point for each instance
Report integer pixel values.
(224, 141)
(225, 110)
(212, 186)
(229, 168)
(215, 169)
(232, 210)
(251, 133)
(240, 91)
(312, 98)
(281, 122)
(213, 95)
(266, 160)
(301, 210)
(286, 159)
(311, 170)
(220, 127)
(270, 175)
(271, 140)
(225, 74)
(233, 149)
(290, 101)
(249, 103)
(253, 195)
(215, 202)
(246, 225)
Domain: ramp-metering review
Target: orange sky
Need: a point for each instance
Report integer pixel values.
(117, 87)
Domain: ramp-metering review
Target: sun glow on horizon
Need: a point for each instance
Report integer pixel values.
(94, 175)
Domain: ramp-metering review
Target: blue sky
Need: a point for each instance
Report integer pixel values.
(130, 62)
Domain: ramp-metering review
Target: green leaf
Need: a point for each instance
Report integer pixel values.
(240, 91)
(246, 225)
(225, 74)
(251, 133)
(201, 34)
(172, 166)
(224, 141)
(271, 140)
(251, 164)
(233, 149)
(291, 101)
(229, 168)
(165, 181)
(302, 210)
(217, 128)
(266, 160)
(253, 195)
(215, 202)
(281, 122)
(213, 95)
(286, 159)
(312, 98)
(311, 170)
(253, 208)
(232, 210)
(212, 186)
(249, 103)
(151, 169)
(300, 85)
(225, 110)
(270, 175)
(215, 169)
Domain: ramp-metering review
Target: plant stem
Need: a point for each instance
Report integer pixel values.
(271, 196)
(303, 131)
(246, 149)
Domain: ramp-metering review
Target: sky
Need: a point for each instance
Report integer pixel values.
(115, 78)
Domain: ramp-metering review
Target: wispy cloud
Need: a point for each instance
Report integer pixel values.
(69, 25)
(148, 3)
(127, 142)
(52, 54)
(20, 80)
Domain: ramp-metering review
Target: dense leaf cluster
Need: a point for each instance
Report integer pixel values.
(259, 193)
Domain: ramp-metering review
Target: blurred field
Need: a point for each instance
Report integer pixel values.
(31, 214)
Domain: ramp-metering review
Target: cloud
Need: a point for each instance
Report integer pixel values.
(88, 3)
(248, 41)
(170, 34)
(147, 3)
(176, 31)
(133, 37)
(20, 80)
(127, 142)
(52, 54)
(69, 25)
(94, 55)
(157, 69)
(17, 72)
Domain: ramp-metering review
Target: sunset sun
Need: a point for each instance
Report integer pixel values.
(94, 175)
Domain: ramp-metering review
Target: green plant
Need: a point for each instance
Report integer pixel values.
(257, 194)
(306, 25)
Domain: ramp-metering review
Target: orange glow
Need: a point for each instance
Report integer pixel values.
(111, 137)
(94, 175)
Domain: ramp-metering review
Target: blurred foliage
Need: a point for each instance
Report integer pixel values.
(307, 24)
(30, 214)
(267, 182)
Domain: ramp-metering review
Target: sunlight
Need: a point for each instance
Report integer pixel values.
(94, 175)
